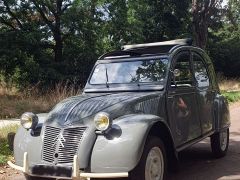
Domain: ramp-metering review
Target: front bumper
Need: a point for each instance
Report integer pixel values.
(76, 174)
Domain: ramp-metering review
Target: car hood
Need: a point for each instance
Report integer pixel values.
(81, 109)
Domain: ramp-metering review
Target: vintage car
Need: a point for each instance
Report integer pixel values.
(140, 107)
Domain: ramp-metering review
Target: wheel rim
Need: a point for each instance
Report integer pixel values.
(223, 140)
(154, 168)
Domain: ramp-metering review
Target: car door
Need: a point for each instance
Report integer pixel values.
(182, 101)
(205, 93)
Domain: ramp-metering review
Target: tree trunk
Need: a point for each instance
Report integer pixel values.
(200, 24)
(58, 47)
(200, 34)
(58, 50)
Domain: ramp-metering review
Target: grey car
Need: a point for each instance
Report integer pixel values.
(140, 107)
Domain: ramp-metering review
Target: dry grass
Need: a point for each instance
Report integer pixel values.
(227, 84)
(7, 129)
(14, 103)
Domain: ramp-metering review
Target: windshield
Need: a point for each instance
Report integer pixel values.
(130, 72)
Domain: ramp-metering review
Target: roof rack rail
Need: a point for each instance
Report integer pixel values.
(187, 41)
(118, 54)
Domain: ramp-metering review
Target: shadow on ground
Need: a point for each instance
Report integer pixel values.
(197, 162)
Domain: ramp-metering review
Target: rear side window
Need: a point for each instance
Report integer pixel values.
(200, 71)
(185, 78)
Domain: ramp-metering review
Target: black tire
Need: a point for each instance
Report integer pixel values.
(219, 143)
(152, 143)
(27, 177)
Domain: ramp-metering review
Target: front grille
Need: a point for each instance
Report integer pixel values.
(72, 136)
(49, 145)
(59, 152)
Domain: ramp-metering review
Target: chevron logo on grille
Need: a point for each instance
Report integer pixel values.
(60, 139)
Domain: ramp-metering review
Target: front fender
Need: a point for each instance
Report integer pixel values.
(25, 142)
(120, 149)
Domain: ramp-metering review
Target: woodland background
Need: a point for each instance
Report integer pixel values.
(45, 42)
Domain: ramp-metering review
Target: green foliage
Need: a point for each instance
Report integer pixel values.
(224, 43)
(154, 21)
(5, 152)
(225, 53)
(232, 96)
(45, 43)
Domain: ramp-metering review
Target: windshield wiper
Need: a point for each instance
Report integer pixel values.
(107, 85)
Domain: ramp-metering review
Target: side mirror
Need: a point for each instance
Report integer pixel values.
(176, 72)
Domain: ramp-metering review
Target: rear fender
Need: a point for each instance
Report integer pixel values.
(221, 113)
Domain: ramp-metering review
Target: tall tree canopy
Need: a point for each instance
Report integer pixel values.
(47, 41)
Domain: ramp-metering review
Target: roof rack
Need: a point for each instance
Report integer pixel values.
(136, 50)
(187, 41)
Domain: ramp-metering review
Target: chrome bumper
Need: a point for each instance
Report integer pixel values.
(76, 174)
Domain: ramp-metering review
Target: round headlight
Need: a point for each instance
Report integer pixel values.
(29, 120)
(102, 121)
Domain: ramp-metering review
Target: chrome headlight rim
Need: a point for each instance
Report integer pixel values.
(102, 116)
(29, 120)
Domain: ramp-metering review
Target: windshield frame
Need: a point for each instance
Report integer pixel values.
(131, 86)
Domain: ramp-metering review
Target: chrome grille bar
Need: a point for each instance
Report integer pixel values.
(48, 148)
(54, 151)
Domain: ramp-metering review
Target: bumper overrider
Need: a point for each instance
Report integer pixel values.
(76, 174)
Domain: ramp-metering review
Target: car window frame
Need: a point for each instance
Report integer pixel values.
(132, 83)
(173, 64)
(207, 69)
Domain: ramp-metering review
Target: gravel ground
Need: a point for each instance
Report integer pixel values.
(196, 162)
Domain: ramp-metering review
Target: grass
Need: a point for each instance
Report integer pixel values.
(232, 96)
(230, 88)
(228, 84)
(14, 103)
(5, 152)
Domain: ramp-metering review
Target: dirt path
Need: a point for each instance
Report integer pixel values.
(197, 162)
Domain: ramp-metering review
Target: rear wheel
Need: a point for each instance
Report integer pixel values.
(152, 165)
(219, 143)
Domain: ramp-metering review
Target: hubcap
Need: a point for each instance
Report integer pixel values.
(154, 168)
(223, 139)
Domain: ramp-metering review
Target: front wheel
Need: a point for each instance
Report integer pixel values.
(152, 165)
(219, 143)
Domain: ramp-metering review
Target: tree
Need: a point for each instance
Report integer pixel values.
(160, 20)
(204, 14)
(233, 13)
(51, 13)
(224, 44)
(48, 14)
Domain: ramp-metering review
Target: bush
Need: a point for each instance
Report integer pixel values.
(5, 152)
